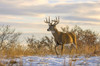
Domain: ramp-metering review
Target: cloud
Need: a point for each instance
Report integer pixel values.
(27, 27)
(72, 1)
(24, 2)
(18, 7)
(79, 18)
(13, 12)
(72, 12)
(84, 23)
(6, 17)
(23, 25)
(76, 8)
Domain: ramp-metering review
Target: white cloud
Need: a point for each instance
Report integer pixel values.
(27, 27)
(25, 2)
(5, 17)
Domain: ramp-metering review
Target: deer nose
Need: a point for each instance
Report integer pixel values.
(48, 29)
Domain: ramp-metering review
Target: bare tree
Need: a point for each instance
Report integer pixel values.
(8, 37)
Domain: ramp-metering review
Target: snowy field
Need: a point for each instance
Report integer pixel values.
(52, 61)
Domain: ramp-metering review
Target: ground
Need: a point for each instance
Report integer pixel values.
(52, 61)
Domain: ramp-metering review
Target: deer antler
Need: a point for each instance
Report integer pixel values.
(47, 21)
(56, 21)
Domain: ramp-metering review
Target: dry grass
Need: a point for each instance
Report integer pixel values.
(21, 51)
(90, 50)
(2, 64)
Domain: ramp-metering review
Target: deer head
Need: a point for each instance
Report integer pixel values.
(52, 23)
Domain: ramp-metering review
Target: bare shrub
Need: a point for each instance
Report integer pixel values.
(88, 41)
(83, 36)
(32, 42)
(40, 46)
(48, 42)
(44, 42)
(8, 37)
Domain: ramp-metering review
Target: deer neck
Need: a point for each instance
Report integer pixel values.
(55, 33)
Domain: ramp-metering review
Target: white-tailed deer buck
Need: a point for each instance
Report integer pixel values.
(60, 38)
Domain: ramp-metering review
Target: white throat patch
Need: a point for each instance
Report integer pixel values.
(53, 31)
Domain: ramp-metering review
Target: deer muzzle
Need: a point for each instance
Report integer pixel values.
(48, 29)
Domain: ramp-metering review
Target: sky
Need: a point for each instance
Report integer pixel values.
(27, 16)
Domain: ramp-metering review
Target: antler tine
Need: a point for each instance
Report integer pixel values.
(58, 19)
(50, 23)
(49, 19)
(46, 21)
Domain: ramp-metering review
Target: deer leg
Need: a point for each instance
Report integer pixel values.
(74, 45)
(70, 49)
(69, 46)
(56, 50)
(62, 49)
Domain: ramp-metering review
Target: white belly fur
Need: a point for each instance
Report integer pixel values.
(67, 45)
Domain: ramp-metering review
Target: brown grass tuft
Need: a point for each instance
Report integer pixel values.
(1, 64)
